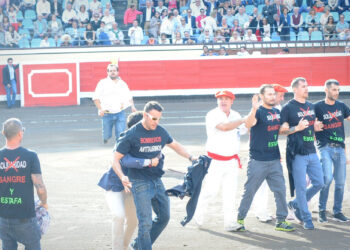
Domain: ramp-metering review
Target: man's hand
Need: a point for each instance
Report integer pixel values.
(154, 161)
(101, 112)
(126, 183)
(284, 129)
(255, 102)
(318, 125)
(44, 205)
(303, 124)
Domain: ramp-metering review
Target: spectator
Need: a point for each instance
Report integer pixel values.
(311, 21)
(242, 16)
(160, 6)
(197, 8)
(40, 27)
(83, 16)
(155, 25)
(249, 36)
(12, 38)
(344, 6)
(185, 27)
(188, 39)
(333, 5)
(78, 3)
(205, 37)
(254, 23)
(243, 52)
(94, 6)
(44, 43)
(109, 7)
(198, 20)
(286, 20)
(304, 5)
(102, 34)
(209, 23)
(267, 12)
(347, 49)
(289, 4)
(164, 15)
(277, 25)
(236, 38)
(265, 29)
(163, 39)
(172, 4)
(131, 15)
(237, 27)
(319, 6)
(226, 5)
(191, 20)
(5, 23)
(56, 8)
(324, 16)
(89, 35)
(341, 26)
(229, 18)
(147, 13)
(27, 5)
(116, 35)
(235, 6)
(177, 17)
(43, 8)
(169, 26)
(65, 41)
(218, 38)
(225, 29)
(178, 39)
(329, 29)
(12, 15)
(68, 16)
(151, 40)
(277, 7)
(135, 33)
(108, 19)
(205, 51)
(296, 20)
(222, 51)
(212, 53)
(95, 22)
(74, 33)
(55, 28)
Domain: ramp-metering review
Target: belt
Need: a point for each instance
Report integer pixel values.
(225, 158)
(334, 145)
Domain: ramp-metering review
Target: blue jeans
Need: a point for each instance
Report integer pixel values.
(150, 194)
(302, 165)
(109, 120)
(13, 87)
(25, 231)
(333, 156)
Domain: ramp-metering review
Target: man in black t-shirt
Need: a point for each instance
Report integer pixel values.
(264, 162)
(19, 171)
(146, 140)
(298, 118)
(330, 143)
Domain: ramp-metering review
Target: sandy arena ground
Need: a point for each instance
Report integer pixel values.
(68, 141)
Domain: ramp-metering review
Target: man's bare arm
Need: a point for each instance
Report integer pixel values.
(40, 189)
(227, 126)
(179, 149)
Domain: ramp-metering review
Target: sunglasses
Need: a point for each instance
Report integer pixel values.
(152, 117)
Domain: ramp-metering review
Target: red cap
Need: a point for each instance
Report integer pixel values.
(279, 88)
(225, 93)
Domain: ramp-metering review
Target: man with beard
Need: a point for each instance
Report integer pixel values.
(264, 164)
(112, 96)
(330, 143)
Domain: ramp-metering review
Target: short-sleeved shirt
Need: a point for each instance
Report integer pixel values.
(16, 186)
(332, 117)
(292, 113)
(264, 135)
(146, 144)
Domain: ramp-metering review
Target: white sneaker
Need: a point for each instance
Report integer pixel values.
(232, 227)
(264, 218)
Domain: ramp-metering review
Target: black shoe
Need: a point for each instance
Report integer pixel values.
(340, 217)
(322, 218)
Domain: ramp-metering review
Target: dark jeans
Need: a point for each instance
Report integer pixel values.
(25, 231)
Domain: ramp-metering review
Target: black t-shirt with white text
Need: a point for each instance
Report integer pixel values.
(16, 186)
(332, 117)
(264, 135)
(147, 144)
(292, 113)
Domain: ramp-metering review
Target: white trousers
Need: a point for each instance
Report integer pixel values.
(260, 201)
(221, 174)
(124, 220)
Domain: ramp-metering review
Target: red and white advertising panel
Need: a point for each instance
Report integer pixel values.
(50, 85)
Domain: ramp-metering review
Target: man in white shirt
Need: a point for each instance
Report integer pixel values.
(68, 16)
(135, 33)
(108, 19)
(224, 128)
(94, 6)
(112, 96)
(43, 8)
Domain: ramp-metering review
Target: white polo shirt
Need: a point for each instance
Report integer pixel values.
(224, 143)
(114, 97)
